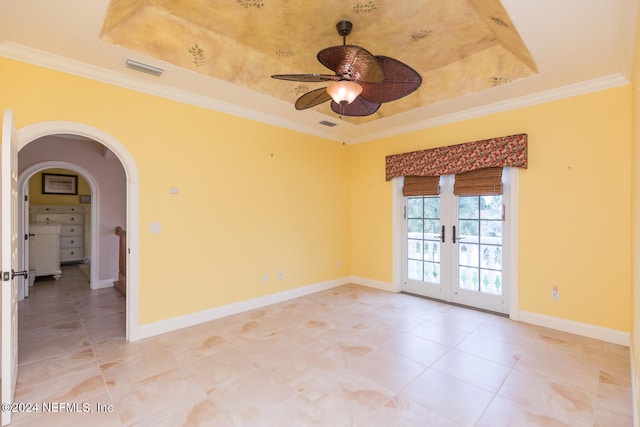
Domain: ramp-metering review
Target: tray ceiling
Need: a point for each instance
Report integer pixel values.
(475, 56)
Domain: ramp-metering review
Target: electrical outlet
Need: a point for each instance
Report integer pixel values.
(280, 275)
(265, 278)
(555, 293)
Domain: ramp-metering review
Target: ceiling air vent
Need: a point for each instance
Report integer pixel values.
(328, 123)
(144, 68)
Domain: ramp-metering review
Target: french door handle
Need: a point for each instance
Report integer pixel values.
(442, 234)
(455, 238)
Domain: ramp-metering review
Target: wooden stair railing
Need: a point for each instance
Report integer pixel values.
(121, 283)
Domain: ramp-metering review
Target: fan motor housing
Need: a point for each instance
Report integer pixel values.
(344, 28)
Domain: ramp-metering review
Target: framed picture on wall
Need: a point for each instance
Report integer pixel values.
(53, 183)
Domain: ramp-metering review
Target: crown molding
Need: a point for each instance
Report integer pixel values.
(307, 122)
(77, 68)
(582, 88)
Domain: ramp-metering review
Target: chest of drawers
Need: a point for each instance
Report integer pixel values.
(73, 222)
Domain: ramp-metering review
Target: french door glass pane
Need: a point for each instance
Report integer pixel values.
(415, 270)
(423, 241)
(480, 244)
(415, 207)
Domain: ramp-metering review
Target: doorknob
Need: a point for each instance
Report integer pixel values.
(6, 276)
(23, 273)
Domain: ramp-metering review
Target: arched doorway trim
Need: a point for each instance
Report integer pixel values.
(32, 132)
(23, 182)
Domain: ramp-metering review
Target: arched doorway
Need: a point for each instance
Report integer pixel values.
(30, 133)
(23, 182)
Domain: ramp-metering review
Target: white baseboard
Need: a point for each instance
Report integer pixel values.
(163, 326)
(605, 334)
(187, 320)
(384, 286)
(106, 283)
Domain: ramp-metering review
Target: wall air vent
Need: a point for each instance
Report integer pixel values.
(328, 123)
(144, 68)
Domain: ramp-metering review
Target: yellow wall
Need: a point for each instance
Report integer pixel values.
(254, 199)
(574, 203)
(36, 197)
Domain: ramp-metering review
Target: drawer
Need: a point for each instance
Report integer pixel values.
(71, 242)
(71, 230)
(61, 218)
(61, 208)
(71, 254)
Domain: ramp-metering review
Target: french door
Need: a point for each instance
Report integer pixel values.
(454, 248)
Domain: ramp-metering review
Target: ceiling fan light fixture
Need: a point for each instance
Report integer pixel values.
(344, 92)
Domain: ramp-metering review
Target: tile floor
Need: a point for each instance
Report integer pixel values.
(350, 356)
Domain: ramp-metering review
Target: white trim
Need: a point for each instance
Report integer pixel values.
(370, 283)
(584, 329)
(168, 325)
(397, 240)
(31, 132)
(511, 186)
(23, 182)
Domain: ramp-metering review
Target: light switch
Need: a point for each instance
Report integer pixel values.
(155, 227)
(174, 190)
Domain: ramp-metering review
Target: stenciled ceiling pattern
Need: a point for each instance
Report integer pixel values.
(458, 46)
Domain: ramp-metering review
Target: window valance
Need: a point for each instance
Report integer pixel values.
(455, 159)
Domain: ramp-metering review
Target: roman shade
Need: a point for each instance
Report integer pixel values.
(485, 182)
(421, 186)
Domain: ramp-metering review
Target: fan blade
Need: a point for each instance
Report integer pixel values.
(313, 98)
(312, 78)
(352, 63)
(359, 107)
(399, 81)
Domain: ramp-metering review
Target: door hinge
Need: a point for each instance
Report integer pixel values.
(404, 215)
(26, 198)
(504, 215)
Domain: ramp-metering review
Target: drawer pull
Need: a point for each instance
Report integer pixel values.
(73, 219)
(73, 241)
(72, 230)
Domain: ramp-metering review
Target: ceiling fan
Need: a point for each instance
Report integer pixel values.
(362, 81)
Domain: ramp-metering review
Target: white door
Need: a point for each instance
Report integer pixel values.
(9, 260)
(454, 248)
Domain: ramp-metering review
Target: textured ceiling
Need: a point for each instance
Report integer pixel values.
(457, 46)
